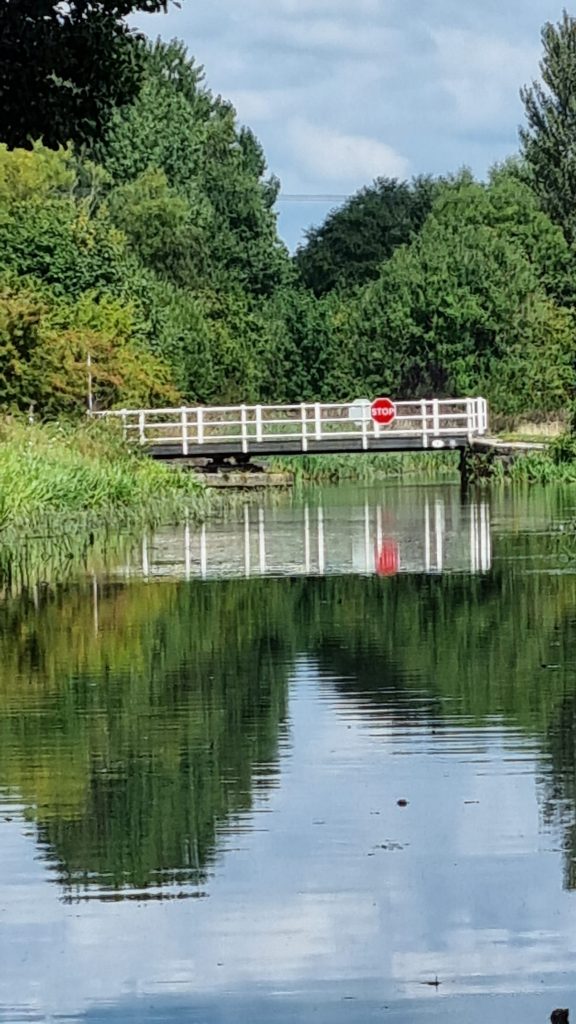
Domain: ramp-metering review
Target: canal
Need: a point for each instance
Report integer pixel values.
(313, 762)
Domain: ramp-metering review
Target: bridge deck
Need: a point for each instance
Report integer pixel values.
(308, 428)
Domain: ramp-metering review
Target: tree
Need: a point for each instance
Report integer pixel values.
(548, 141)
(349, 247)
(177, 127)
(65, 66)
(464, 309)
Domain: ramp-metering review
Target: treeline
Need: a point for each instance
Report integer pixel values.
(139, 245)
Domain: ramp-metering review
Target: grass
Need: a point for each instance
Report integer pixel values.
(364, 468)
(554, 464)
(62, 476)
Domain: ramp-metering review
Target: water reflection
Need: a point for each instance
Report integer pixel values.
(200, 779)
(426, 530)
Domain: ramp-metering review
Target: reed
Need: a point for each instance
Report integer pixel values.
(364, 468)
(65, 476)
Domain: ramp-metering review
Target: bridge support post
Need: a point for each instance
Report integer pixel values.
(465, 467)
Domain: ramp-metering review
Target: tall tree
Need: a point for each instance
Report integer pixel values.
(177, 127)
(548, 140)
(65, 66)
(349, 247)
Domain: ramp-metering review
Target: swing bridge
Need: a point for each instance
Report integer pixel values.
(314, 428)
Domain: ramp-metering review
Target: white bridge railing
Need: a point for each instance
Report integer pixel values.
(434, 422)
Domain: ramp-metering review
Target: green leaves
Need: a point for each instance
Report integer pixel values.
(548, 139)
(63, 68)
(352, 243)
(465, 308)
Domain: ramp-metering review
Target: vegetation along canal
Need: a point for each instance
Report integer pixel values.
(313, 763)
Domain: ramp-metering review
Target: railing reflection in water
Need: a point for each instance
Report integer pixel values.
(437, 533)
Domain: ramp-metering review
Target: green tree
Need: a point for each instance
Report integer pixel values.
(464, 309)
(354, 240)
(548, 138)
(64, 67)
(175, 126)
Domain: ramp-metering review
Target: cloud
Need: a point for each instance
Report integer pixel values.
(336, 156)
(338, 90)
(482, 75)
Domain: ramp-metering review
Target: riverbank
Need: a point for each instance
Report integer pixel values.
(367, 468)
(82, 476)
(554, 462)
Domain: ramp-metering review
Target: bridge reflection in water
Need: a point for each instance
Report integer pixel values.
(428, 531)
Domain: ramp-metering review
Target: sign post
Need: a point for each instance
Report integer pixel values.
(383, 411)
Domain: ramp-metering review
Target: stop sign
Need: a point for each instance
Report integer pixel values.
(383, 410)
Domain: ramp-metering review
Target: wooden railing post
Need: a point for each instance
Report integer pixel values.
(142, 426)
(184, 417)
(303, 415)
(200, 425)
(259, 436)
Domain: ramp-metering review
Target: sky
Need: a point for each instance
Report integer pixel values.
(342, 91)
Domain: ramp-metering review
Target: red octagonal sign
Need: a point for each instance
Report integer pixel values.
(383, 410)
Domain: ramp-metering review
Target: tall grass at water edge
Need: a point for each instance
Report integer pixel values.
(368, 467)
(554, 464)
(56, 477)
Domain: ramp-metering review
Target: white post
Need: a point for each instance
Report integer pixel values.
(124, 418)
(259, 436)
(424, 408)
(244, 428)
(436, 417)
(184, 416)
(141, 426)
(200, 425)
(303, 415)
(318, 421)
(470, 418)
(483, 415)
(365, 415)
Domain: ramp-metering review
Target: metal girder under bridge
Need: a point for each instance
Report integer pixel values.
(309, 428)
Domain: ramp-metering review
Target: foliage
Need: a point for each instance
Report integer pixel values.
(51, 472)
(548, 138)
(153, 253)
(332, 468)
(463, 309)
(183, 163)
(48, 55)
(354, 240)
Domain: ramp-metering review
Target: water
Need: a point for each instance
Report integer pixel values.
(203, 745)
